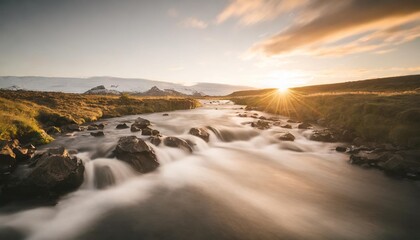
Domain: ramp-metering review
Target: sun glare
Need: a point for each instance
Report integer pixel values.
(282, 89)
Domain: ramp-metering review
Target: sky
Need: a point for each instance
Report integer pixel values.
(259, 43)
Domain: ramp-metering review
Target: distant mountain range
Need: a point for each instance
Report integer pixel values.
(81, 85)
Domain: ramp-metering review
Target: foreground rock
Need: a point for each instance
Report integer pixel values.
(122, 126)
(142, 123)
(137, 153)
(304, 126)
(201, 133)
(50, 174)
(260, 124)
(286, 136)
(11, 154)
(97, 134)
(177, 143)
(324, 135)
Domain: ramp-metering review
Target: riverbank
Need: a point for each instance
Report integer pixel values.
(32, 117)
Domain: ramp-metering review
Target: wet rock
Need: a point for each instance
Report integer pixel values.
(304, 126)
(177, 143)
(324, 135)
(242, 115)
(93, 127)
(7, 159)
(74, 128)
(146, 131)
(101, 126)
(52, 130)
(288, 126)
(50, 174)
(263, 118)
(137, 153)
(155, 140)
(292, 121)
(341, 149)
(249, 108)
(122, 126)
(286, 136)
(142, 123)
(201, 133)
(260, 124)
(165, 114)
(155, 132)
(274, 119)
(134, 128)
(97, 134)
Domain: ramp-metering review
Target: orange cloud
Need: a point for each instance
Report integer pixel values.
(319, 24)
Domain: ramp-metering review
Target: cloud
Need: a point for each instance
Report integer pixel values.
(330, 28)
(192, 22)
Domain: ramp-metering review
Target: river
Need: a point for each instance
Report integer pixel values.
(247, 186)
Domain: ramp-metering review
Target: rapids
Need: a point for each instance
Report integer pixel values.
(244, 184)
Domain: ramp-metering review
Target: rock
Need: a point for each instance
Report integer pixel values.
(242, 115)
(292, 121)
(286, 126)
(74, 128)
(137, 153)
(50, 174)
(52, 130)
(286, 136)
(155, 132)
(7, 159)
(324, 135)
(142, 123)
(92, 127)
(249, 108)
(263, 118)
(134, 128)
(101, 90)
(304, 126)
(261, 124)
(340, 149)
(274, 119)
(97, 134)
(101, 126)
(155, 140)
(201, 133)
(146, 131)
(165, 114)
(177, 143)
(122, 126)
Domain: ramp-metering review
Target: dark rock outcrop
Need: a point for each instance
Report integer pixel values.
(201, 133)
(134, 128)
(146, 131)
(304, 126)
(97, 134)
(286, 136)
(141, 123)
(155, 140)
(324, 135)
(50, 174)
(260, 124)
(177, 143)
(137, 153)
(73, 128)
(122, 126)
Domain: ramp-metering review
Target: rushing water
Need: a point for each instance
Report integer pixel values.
(249, 186)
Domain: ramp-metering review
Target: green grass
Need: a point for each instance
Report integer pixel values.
(393, 118)
(24, 114)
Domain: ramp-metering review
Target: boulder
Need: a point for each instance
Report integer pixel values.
(50, 174)
(286, 126)
(324, 135)
(97, 134)
(177, 143)
(286, 136)
(260, 124)
(141, 122)
(341, 149)
(122, 126)
(165, 114)
(137, 153)
(155, 140)
(304, 126)
(155, 132)
(201, 133)
(74, 128)
(92, 127)
(101, 126)
(134, 128)
(146, 131)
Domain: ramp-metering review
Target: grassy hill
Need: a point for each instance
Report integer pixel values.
(26, 114)
(383, 85)
(380, 110)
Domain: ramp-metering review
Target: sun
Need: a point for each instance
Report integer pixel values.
(282, 89)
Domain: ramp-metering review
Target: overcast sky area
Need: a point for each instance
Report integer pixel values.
(260, 43)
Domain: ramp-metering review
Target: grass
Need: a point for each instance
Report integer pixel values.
(385, 117)
(25, 114)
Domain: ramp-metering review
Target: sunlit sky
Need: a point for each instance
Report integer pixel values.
(260, 43)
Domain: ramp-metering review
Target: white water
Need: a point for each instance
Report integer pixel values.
(250, 186)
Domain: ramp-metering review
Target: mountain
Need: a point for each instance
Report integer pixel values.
(81, 85)
(101, 90)
(155, 91)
